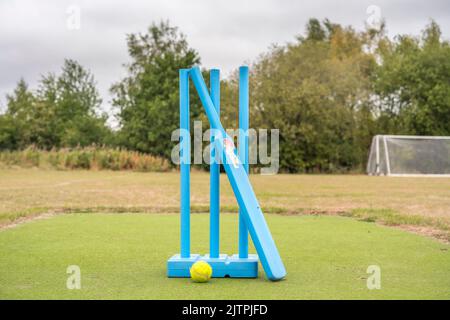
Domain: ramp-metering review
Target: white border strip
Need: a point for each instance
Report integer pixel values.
(416, 137)
(386, 153)
(423, 175)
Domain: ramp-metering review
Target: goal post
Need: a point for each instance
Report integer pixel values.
(400, 155)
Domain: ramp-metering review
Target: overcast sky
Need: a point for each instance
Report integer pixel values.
(36, 35)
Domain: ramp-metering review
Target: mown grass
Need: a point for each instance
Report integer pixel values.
(394, 201)
(393, 218)
(124, 257)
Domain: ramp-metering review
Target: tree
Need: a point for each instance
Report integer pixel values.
(9, 133)
(147, 99)
(413, 84)
(64, 112)
(20, 101)
(315, 31)
(77, 109)
(15, 131)
(315, 91)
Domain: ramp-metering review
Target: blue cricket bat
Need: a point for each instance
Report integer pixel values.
(253, 215)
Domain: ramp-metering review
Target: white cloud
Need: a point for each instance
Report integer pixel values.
(34, 38)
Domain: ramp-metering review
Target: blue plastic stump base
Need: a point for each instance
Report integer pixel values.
(223, 267)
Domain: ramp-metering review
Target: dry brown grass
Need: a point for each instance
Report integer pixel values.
(27, 192)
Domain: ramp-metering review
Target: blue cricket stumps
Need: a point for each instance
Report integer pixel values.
(251, 218)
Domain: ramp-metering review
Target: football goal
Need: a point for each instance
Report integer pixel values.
(393, 155)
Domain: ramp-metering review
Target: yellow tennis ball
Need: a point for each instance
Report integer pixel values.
(201, 271)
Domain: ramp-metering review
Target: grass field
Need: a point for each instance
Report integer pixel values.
(323, 226)
(123, 256)
(417, 202)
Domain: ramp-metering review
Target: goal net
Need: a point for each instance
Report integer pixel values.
(409, 155)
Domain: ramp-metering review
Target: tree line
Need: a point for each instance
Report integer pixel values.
(328, 92)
